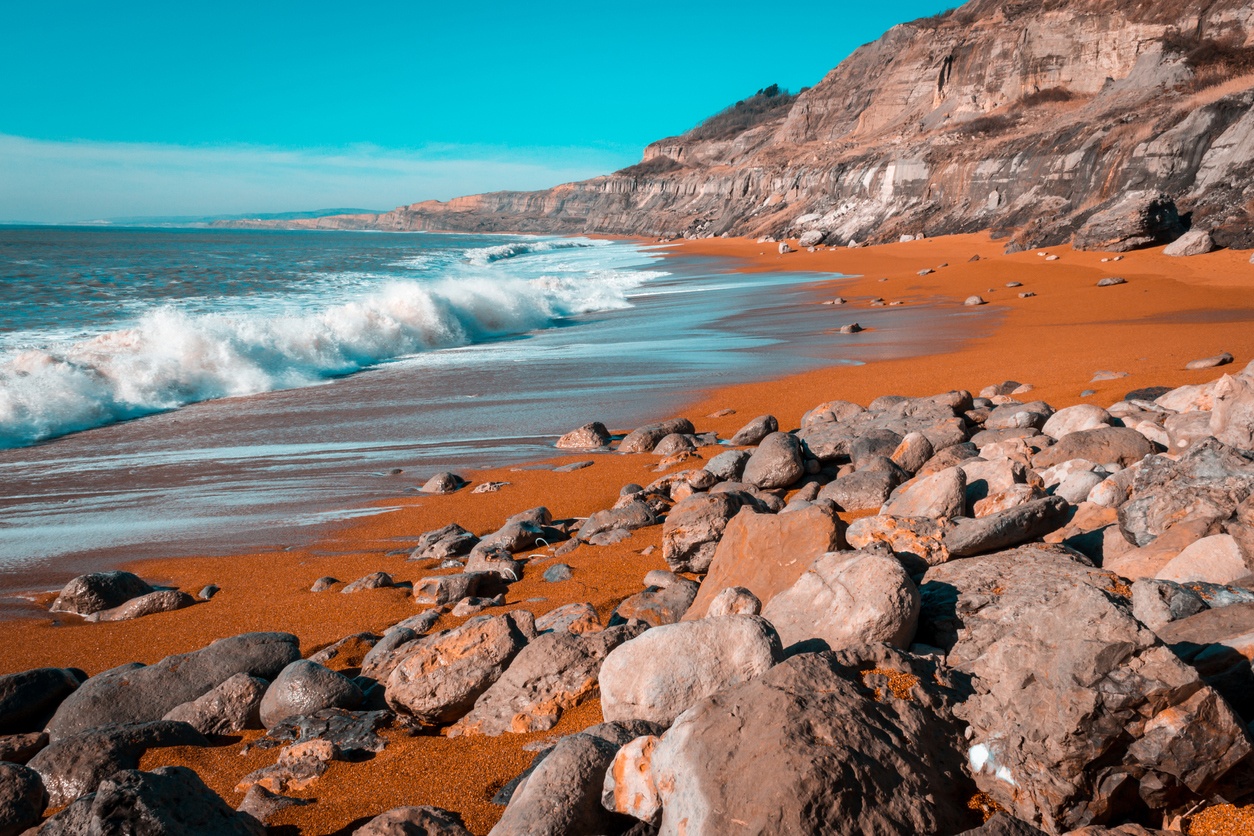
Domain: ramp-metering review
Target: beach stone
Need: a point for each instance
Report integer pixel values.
(874, 443)
(474, 606)
(442, 483)
(1193, 242)
(777, 462)
(305, 687)
(1077, 486)
(1018, 416)
(20, 748)
(440, 679)
(168, 801)
(1182, 431)
(1221, 359)
(754, 431)
(1111, 281)
(137, 693)
(98, 591)
(163, 600)
(844, 599)
(1157, 603)
(74, 765)
(695, 526)
(974, 301)
(261, 804)
(674, 444)
(863, 490)
(230, 707)
(942, 494)
(1104, 445)
(832, 412)
(948, 457)
(1232, 418)
(1074, 419)
(728, 466)
(1021, 524)
(557, 573)
(28, 699)
(561, 793)
(207, 592)
(658, 605)
(347, 652)
(783, 735)
(633, 515)
(766, 553)
(323, 584)
(661, 672)
(734, 600)
(588, 437)
(332, 732)
(570, 618)
(915, 540)
(22, 799)
(644, 439)
(414, 821)
(1047, 640)
(1001, 824)
(553, 673)
(442, 543)
(913, 452)
(375, 580)
(494, 560)
(1012, 497)
(445, 589)
(1216, 559)
(488, 487)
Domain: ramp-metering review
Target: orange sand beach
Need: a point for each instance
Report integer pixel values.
(1169, 312)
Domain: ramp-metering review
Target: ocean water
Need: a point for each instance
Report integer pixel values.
(168, 392)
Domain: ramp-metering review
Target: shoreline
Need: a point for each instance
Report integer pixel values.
(1169, 312)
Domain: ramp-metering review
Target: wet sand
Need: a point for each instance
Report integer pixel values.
(1171, 311)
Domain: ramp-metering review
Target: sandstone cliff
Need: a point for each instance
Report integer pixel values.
(1026, 118)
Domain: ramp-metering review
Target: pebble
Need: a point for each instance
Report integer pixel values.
(208, 592)
(572, 467)
(850, 329)
(323, 584)
(557, 572)
(1106, 375)
(973, 301)
(1014, 284)
(1111, 281)
(1027, 294)
(489, 487)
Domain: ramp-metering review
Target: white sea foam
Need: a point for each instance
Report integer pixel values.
(488, 255)
(170, 357)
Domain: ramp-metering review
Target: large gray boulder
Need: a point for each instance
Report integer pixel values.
(170, 801)
(98, 591)
(414, 821)
(644, 439)
(133, 694)
(22, 799)
(940, 495)
(847, 599)
(695, 526)
(777, 463)
(1130, 221)
(1103, 445)
(29, 698)
(1053, 649)
(660, 673)
(305, 687)
(843, 744)
(754, 431)
(231, 707)
(1020, 524)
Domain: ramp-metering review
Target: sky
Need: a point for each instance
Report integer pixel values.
(139, 108)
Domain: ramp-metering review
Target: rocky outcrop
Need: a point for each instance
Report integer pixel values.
(1123, 122)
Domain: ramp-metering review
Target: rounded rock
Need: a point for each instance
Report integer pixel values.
(305, 687)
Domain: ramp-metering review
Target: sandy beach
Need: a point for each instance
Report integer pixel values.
(1169, 312)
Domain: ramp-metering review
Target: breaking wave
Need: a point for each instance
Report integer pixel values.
(170, 358)
(500, 252)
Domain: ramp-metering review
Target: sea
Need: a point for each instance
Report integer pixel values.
(166, 392)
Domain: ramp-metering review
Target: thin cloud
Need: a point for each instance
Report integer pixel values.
(47, 181)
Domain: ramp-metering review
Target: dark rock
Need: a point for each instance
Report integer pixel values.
(414, 821)
(170, 801)
(729, 465)
(1130, 221)
(1004, 529)
(231, 707)
(557, 573)
(694, 527)
(674, 444)
(630, 517)
(352, 734)
(305, 687)
(20, 748)
(442, 543)
(1104, 445)
(323, 584)
(75, 765)
(261, 804)
(163, 600)
(1003, 825)
(208, 592)
(644, 439)
(445, 589)
(874, 443)
(138, 694)
(98, 591)
(29, 699)
(777, 463)
(375, 580)
(22, 799)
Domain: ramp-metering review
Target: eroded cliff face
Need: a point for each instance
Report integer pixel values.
(1025, 118)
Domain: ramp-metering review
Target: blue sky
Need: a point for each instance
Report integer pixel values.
(137, 108)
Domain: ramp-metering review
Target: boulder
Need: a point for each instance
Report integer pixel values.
(1215, 559)
(231, 707)
(305, 687)
(588, 437)
(917, 541)
(728, 466)
(864, 490)
(74, 765)
(1232, 417)
(98, 591)
(1020, 524)
(20, 748)
(766, 553)
(136, 694)
(22, 799)
(163, 600)
(695, 526)
(734, 600)
(493, 561)
(1052, 647)
(375, 580)
(660, 673)
(1221, 359)
(442, 483)
(570, 618)
(831, 412)
(554, 672)
(28, 699)
(631, 516)
(1193, 242)
(1130, 221)
(845, 599)
(644, 439)
(262, 804)
(445, 589)
(658, 605)
(414, 821)
(913, 452)
(777, 462)
(811, 238)
(443, 675)
(673, 445)
(169, 801)
(754, 431)
(940, 495)
(762, 756)
(443, 543)
(1074, 419)
(1157, 603)
(1104, 445)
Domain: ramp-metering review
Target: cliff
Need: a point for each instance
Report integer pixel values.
(1025, 118)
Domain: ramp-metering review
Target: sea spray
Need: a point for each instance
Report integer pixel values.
(170, 358)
